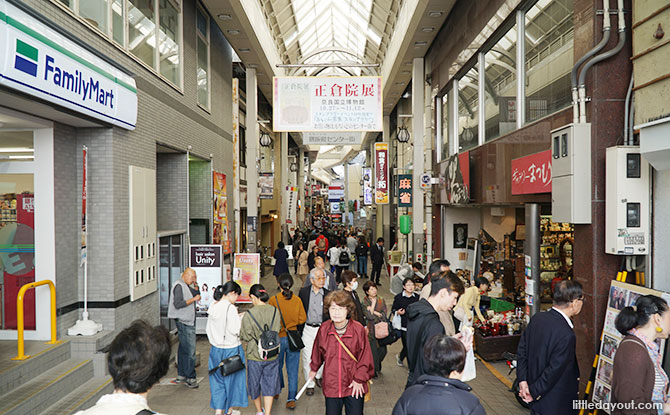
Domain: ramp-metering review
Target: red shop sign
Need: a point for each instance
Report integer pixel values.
(532, 174)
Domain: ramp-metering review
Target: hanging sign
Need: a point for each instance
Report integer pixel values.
(336, 138)
(266, 183)
(335, 207)
(39, 61)
(324, 192)
(381, 174)
(327, 104)
(336, 192)
(246, 272)
(404, 190)
(532, 174)
(292, 195)
(367, 186)
(425, 181)
(221, 235)
(207, 264)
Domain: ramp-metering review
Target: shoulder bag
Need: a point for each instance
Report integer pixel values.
(368, 395)
(295, 343)
(230, 364)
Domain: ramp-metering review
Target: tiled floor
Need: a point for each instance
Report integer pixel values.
(177, 399)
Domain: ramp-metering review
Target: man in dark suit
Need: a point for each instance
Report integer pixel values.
(547, 364)
(312, 300)
(377, 258)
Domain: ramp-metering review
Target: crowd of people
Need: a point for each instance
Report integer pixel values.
(341, 340)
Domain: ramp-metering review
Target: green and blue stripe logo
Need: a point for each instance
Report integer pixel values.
(26, 58)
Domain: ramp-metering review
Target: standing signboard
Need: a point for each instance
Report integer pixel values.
(246, 272)
(327, 104)
(381, 174)
(206, 261)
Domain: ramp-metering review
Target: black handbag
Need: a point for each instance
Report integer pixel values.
(391, 338)
(295, 343)
(230, 364)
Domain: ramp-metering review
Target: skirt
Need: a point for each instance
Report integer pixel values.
(227, 391)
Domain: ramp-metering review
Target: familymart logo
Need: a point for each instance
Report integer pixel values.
(26, 58)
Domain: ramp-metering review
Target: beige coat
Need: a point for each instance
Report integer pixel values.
(445, 316)
(302, 263)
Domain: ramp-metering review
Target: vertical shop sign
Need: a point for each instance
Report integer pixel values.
(292, 195)
(381, 174)
(246, 272)
(367, 186)
(236, 162)
(221, 230)
(404, 190)
(266, 182)
(532, 174)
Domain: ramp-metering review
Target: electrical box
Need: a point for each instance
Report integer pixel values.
(626, 201)
(571, 174)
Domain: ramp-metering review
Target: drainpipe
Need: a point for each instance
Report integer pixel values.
(600, 58)
(596, 49)
(627, 108)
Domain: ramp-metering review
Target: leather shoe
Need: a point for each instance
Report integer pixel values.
(310, 392)
(276, 397)
(317, 381)
(290, 405)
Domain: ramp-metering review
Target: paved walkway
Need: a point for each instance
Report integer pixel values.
(177, 399)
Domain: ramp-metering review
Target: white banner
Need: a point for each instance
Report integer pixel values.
(336, 138)
(367, 186)
(292, 198)
(327, 104)
(41, 62)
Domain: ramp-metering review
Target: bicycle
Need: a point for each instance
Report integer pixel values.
(510, 360)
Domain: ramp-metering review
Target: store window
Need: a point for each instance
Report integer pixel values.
(468, 114)
(445, 125)
(136, 25)
(500, 105)
(549, 57)
(17, 235)
(202, 25)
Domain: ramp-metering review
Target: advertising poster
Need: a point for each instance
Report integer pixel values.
(381, 174)
(455, 179)
(207, 262)
(323, 104)
(246, 272)
(266, 183)
(221, 231)
(620, 295)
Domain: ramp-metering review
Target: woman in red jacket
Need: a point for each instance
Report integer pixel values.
(342, 346)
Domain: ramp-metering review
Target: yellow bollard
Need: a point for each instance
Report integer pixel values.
(20, 319)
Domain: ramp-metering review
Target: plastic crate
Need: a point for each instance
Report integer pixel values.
(500, 306)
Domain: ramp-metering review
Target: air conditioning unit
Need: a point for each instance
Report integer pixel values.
(626, 201)
(571, 174)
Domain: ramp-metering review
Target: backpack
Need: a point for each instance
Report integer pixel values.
(321, 243)
(268, 342)
(344, 257)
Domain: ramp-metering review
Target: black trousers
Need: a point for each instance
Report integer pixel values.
(352, 406)
(403, 352)
(376, 272)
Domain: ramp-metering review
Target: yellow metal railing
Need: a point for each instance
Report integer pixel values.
(19, 316)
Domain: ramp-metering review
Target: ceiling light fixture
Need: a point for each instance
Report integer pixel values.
(420, 43)
(403, 135)
(400, 83)
(435, 13)
(244, 50)
(265, 140)
(224, 16)
(233, 32)
(427, 29)
(16, 150)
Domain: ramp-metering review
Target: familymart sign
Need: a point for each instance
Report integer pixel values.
(39, 61)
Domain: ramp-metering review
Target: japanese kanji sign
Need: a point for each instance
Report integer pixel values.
(532, 174)
(404, 190)
(336, 138)
(327, 104)
(367, 186)
(381, 174)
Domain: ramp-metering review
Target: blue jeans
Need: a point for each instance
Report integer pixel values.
(362, 265)
(292, 367)
(186, 350)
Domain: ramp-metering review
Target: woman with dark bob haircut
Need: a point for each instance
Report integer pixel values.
(137, 358)
(445, 356)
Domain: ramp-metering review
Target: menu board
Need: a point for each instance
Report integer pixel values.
(620, 295)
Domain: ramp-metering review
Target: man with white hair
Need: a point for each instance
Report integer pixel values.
(181, 307)
(330, 283)
(312, 300)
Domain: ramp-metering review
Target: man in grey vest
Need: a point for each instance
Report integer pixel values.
(183, 297)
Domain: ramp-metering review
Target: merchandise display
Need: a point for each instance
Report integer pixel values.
(555, 253)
